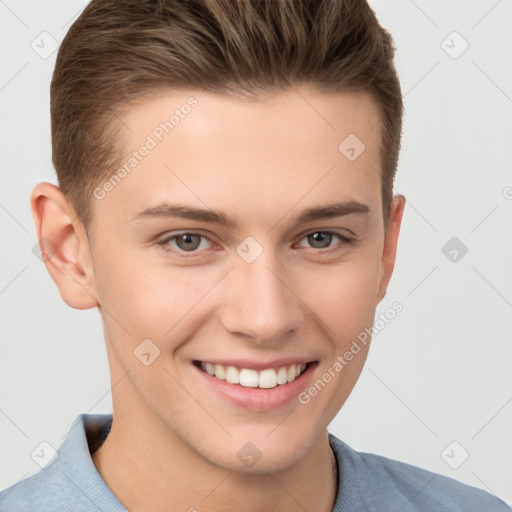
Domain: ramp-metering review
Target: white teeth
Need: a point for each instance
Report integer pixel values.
(267, 379)
(220, 372)
(249, 378)
(232, 375)
(282, 375)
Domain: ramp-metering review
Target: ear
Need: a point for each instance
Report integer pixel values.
(390, 244)
(64, 246)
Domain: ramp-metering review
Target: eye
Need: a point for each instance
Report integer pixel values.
(188, 241)
(192, 242)
(323, 239)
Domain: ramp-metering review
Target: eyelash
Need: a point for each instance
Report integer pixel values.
(184, 254)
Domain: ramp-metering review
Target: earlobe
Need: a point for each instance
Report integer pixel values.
(390, 244)
(64, 246)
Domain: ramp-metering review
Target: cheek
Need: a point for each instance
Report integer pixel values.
(344, 297)
(127, 283)
(155, 303)
(148, 301)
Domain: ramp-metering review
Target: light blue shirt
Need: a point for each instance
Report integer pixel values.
(367, 482)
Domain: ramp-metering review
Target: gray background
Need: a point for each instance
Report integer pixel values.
(439, 372)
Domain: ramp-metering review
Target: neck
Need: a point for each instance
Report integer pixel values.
(149, 469)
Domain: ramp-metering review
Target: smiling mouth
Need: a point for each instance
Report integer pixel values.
(250, 378)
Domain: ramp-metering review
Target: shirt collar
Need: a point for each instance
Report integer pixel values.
(75, 462)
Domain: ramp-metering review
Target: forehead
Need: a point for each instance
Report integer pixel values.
(207, 117)
(218, 150)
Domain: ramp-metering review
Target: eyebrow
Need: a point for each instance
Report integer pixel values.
(166, 210)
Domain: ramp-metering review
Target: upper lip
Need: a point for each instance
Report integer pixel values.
(258, 366)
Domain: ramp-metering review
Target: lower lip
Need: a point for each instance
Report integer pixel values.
(259, 399)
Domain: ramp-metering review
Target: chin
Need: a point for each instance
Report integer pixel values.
(256, 452)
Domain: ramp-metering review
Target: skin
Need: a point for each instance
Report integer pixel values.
(174, 441)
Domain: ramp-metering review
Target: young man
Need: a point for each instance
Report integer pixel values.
(226, 173)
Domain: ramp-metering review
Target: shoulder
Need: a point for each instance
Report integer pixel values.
(381, 482)
(46, 490)
(69, 482)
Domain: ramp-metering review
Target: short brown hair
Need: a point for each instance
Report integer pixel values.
(120, 51)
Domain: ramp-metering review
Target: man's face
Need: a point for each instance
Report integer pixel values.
(263, 293)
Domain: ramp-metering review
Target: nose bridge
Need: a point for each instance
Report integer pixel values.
(261, 305)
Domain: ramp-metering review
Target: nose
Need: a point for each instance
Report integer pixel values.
(261, 301)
